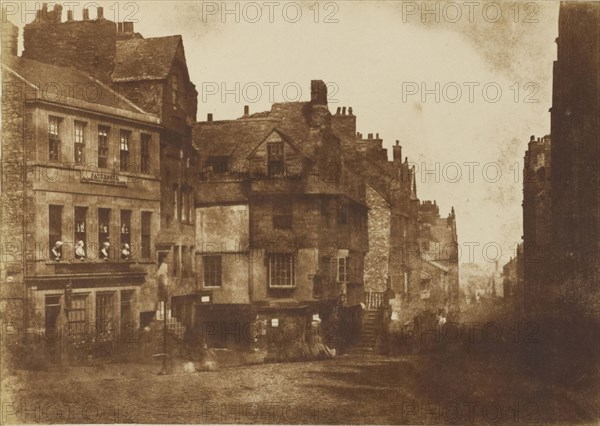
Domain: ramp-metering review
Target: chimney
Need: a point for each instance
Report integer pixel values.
(377, 136)
(10, 35)
(337, 112)
(350, 111)
(69, 15)
(532, 138)
(318, 92)
(100, 13)
(370, 136)
(119, 27)
(56, 14)
(397, 152)
(344, 111)
(246, 110)
(128, 27)
(209, 117)
(86, 14)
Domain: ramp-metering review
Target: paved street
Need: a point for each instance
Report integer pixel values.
(426, 388)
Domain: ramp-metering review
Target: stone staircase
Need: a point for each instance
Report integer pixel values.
(371, 325)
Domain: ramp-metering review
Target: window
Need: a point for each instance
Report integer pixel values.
(342, 214)
(185, 205)
(146, 241)
(103, 146)
(176, 261)
(219, 164)
(212, 271)
(281, 270)
(127, 321)
(79, 138)
(103, 226)
(343, 269)
(104, 312)
(176, 202)
(54, 226)
(125, 227)
(124, 149)
(275, 158)
(77, 315)
(51, 313)
(80, 224)
(145, 155)
(191, 206)
(329, 268)
(282, 215)
(174, 90)
(54, 138)
(187, 261)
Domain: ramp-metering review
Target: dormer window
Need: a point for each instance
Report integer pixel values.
(275, 159)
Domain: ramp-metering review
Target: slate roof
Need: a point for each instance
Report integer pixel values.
(145, 58)
(56, 83)
(239, 137)
(224, 138)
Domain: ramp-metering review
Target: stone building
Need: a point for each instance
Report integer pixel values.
(537, 216)
(438, 244)
(151, 74)
(575, 129)
(513, 280)
(281, 222)
(393, 258)
(80, 201)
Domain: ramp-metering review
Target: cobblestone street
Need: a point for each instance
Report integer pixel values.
(350, 389)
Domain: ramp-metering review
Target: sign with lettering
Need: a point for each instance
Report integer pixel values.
(93, 176)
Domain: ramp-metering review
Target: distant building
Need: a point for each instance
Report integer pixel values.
(537, 217)
(513, 280)
(438, 243)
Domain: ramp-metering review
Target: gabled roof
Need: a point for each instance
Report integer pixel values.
(145, 58)
(223, 138)
(63, 85)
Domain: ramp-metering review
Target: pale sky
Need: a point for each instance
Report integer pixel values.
(378, 57)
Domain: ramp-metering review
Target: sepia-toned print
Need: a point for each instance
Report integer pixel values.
(300, 212)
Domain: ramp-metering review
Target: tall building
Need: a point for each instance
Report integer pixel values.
(80, 202)
(575, 122)
(152, 75)
(537, 217)
(281, 221)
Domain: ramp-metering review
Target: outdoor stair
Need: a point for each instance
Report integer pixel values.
(371, 324)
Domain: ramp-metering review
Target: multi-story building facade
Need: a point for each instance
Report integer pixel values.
(575, 148)
(282, 222)
(81, 200)
(537, 217)
(438, 243)
(152, 75)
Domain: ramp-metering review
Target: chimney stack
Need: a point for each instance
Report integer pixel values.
(86, 14)
(318, 92)
(209, 117)
(69, 15)
(350, 111)
(100, 13)
(397, 152)
(370, 136)
(128, 27)
(344, 111)
(337, 112)
(246, 110)
(377, 136)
